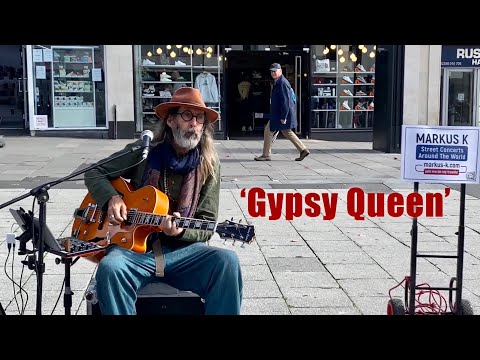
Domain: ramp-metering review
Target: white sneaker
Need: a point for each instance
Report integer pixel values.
(347, 92)
(346, 79)
(180, 63)
(345, 106)
(148, 62)
(165, 75)
(360, 67)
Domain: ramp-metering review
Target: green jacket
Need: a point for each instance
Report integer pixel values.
(101, 190)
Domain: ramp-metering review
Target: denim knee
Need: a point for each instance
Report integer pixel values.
(110, 265)
(227, 259)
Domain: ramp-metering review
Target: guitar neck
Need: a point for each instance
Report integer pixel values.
(144, 218)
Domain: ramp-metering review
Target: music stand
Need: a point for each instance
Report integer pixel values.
(67, 248)
(42, 196)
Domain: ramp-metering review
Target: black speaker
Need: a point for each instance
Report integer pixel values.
(155, 299)
(389, 72)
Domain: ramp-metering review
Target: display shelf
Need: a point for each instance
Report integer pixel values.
(335, 70)
(158, 79)
(73, 87)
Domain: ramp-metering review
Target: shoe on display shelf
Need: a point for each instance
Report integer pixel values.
(360, 68)
(147, 62)
(345, 106)
(360, 80)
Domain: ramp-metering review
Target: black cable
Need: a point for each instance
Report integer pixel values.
(13, 283)
(59, 296)
(26, 293)
(11, 279)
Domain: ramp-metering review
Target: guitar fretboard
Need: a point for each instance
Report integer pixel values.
(144, 218)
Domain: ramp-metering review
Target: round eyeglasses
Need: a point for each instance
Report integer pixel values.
(187, 115)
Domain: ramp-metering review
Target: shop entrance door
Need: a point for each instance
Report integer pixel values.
(459, 97)
(13, 87)
(247, 115)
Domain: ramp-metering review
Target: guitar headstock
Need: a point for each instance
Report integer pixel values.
(230, 230)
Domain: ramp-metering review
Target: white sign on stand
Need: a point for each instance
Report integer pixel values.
(440, 154)
(40, 122)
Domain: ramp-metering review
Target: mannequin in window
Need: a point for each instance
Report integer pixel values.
(245, 113)
(244, 88)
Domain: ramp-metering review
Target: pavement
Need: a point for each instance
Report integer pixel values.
(303, 265)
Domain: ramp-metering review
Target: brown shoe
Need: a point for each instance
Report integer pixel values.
(262, 158)
(303, 155)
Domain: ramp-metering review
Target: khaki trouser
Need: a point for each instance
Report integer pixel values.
(289, 134)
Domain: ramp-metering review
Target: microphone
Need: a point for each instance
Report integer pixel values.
(146, 137)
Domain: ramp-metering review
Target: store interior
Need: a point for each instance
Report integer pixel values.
(248, 88)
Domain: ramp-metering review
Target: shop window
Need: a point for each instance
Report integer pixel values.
(342, 86)
(69, 85)
(162, 69)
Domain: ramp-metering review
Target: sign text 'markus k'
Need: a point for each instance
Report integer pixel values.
(440, 154)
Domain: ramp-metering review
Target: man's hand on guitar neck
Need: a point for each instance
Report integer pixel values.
(117, 210)
(169, 227)
(117, 213)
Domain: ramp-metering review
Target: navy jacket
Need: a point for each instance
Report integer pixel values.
(282, 106)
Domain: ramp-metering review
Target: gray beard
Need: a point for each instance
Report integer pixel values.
(183, 141)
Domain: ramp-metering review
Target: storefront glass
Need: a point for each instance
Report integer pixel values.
(69, 87)
(342, 86)
(460, 96)
(162, 69)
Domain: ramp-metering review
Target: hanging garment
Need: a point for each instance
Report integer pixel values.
(207, 84)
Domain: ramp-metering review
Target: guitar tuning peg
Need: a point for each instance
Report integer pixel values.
(243, 245)
(240, 221)
(224, 241)
(231, 219)
(233, 244)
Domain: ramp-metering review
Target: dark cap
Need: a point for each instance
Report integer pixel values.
(275, 66)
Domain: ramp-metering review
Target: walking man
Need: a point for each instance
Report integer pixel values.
(283, 116)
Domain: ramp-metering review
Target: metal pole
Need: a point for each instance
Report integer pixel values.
(413, 261)
(460, 248)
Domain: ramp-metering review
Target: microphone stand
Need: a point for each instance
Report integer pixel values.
(42, 196)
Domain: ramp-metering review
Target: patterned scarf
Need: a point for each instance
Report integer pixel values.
(163, 158)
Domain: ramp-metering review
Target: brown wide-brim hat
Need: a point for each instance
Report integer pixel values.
(186, 96)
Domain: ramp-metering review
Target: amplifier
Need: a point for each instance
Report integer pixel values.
(155, 299)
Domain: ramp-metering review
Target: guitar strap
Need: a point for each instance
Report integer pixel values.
(159, 264)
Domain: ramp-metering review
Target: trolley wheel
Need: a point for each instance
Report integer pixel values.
(395, 307)
(466, 308)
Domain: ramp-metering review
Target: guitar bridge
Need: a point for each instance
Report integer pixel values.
(87, 215)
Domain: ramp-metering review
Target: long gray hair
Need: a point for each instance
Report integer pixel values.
(208, 155)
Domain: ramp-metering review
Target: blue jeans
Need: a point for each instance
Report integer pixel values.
(212, 273)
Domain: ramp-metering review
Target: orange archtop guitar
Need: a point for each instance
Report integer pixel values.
(146, 207)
